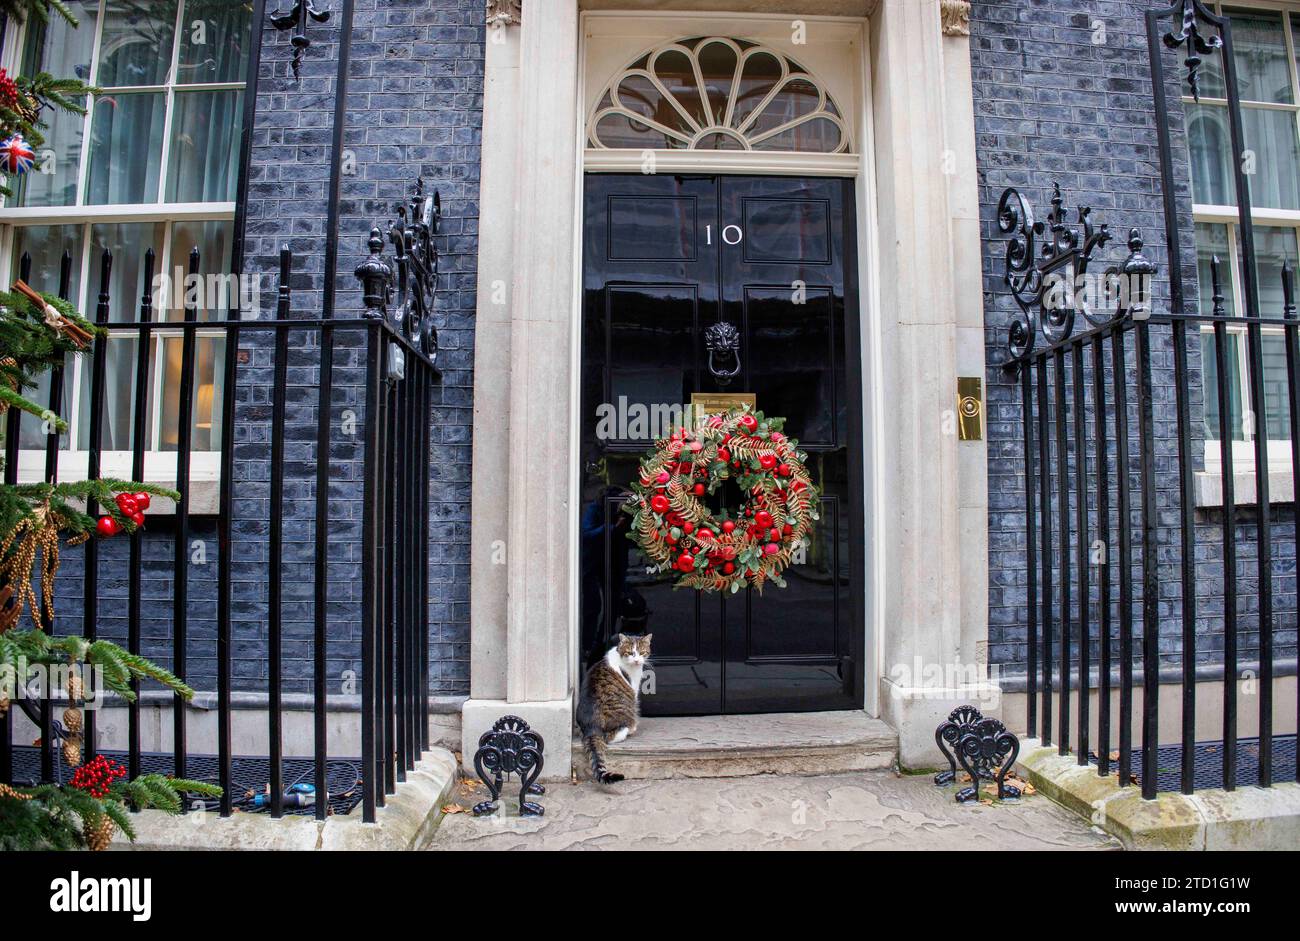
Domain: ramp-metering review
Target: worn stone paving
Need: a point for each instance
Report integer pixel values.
(860, 810)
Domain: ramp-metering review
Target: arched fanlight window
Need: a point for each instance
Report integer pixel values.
(716, 93)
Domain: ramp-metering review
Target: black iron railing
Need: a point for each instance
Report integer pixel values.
(1134, 476)
(396, 348)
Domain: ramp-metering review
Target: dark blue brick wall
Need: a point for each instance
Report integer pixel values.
(414, 109)
(1063, 95)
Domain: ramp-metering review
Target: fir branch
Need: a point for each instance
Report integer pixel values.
(121, 666)
(190, 786)
(38, 9)
(19, 401)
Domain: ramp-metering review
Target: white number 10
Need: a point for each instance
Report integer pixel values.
(731, 234)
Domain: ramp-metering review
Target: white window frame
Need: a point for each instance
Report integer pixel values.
(160, 466)
(1279, 450)
(831, 53)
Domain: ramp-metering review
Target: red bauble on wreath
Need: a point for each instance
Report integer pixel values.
(735, 546)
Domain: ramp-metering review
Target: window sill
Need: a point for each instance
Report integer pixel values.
(159, 469)
(1207, 487)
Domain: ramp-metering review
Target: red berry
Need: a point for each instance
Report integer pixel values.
(787, 529)
(771, 549)
(686, 561)
(774, 534)
(137, 517)
(766, 461)
(663, 477)
(724, 455)
(659, 504)
(688, 527)
(783, 470)
(706, 533)
(728, 526)
(698, 490)
(126, 503)
(763, 519)
(107, 526)
(727, 568)
(748, 422)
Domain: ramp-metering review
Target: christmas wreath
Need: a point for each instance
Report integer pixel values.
(751, 544)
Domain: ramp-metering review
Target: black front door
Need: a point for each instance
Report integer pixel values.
(665, 257)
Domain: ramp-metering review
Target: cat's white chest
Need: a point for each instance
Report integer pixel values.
(631, 672)
(634, 678)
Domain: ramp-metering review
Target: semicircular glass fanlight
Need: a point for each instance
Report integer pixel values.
(717, 93)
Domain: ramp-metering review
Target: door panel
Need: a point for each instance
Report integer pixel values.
(650, 288)
(665, 257)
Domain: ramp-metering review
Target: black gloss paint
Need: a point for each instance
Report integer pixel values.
(665, 257)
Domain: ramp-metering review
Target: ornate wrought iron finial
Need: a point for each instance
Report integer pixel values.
(302, 11)
(1288, 291)
(417, 267)
(1136, 273)
(1189, 33)
(376, 277)
(1216, 287)
(1044, 273)
(510, 747)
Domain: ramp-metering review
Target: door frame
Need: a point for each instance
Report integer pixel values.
(851, 30)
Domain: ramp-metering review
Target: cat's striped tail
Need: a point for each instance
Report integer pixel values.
(596, 749)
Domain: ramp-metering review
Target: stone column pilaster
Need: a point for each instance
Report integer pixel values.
(521, 611)
(935, 529)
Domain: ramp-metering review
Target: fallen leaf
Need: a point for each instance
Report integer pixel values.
(454, 809)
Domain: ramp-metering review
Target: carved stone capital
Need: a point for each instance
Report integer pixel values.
(956, 17)
(504, 12)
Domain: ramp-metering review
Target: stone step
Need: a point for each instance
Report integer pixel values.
(734, 746)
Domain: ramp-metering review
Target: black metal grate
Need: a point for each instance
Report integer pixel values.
(1208, 764)
(249, 776)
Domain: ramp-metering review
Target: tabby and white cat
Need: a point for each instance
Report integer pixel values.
(608, 707)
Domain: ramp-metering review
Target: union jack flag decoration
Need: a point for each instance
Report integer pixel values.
(16, 156)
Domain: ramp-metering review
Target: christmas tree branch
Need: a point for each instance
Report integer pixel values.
(39, 9)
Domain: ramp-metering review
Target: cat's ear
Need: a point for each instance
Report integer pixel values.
(646, 638)
(621, 639)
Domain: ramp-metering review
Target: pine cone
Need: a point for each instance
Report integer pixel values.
(98, 834)
(72, 720)
(72, 752)
(75, 688)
